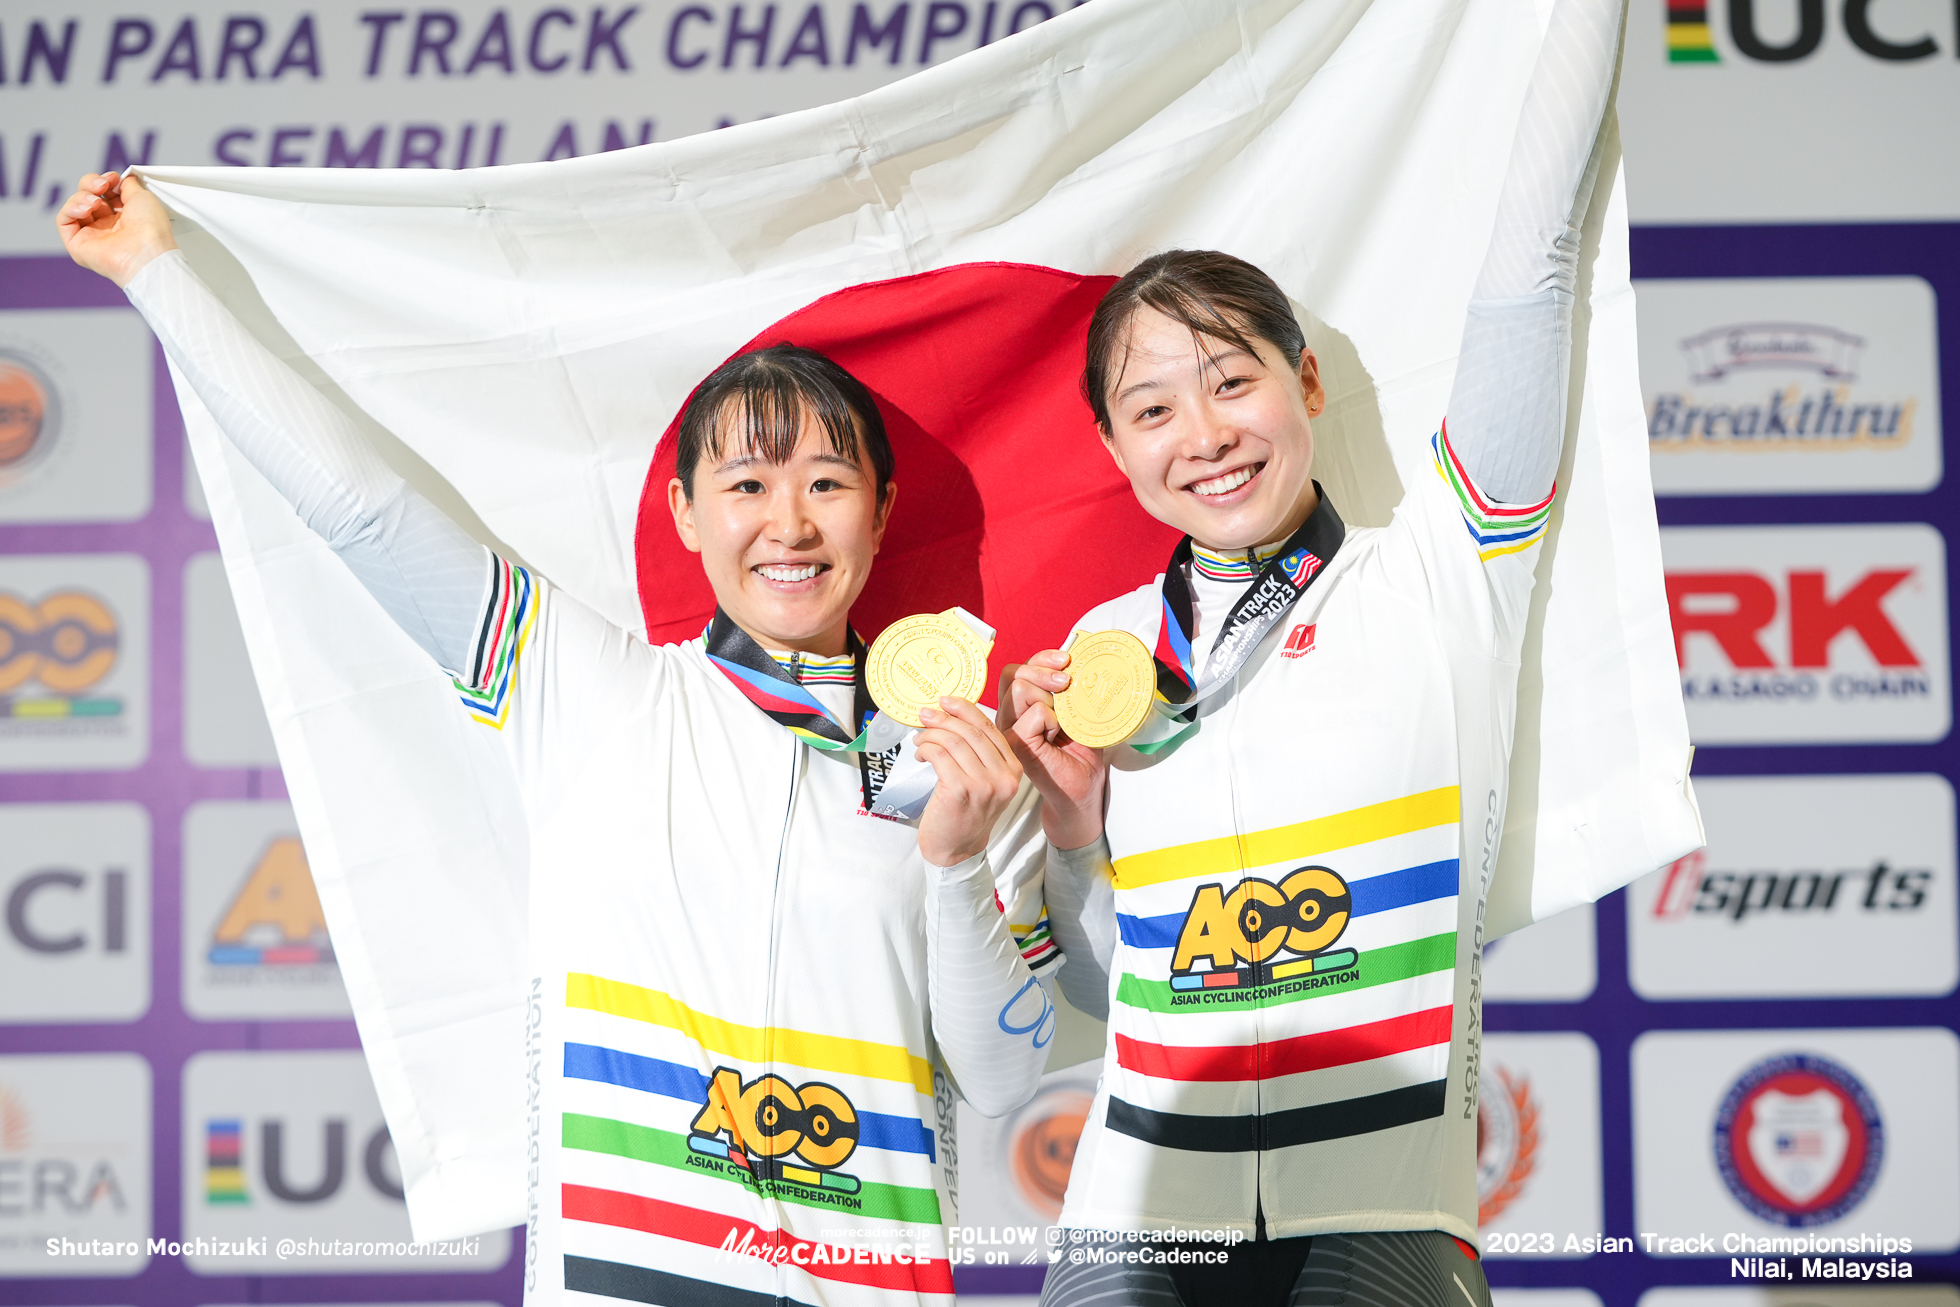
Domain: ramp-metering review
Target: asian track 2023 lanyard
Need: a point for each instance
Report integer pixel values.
(764, 683)
(1279, 585)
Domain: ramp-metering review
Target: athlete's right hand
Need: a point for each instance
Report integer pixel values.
(113, 225)
(1070, 776)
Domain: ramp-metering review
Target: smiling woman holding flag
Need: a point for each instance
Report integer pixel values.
(1283, 878)
(738, 1110)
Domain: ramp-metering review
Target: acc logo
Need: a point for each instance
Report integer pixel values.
(760, 1126)
(68, 642)
(1507, 1141)
(27, 412)
(276, 918)
(1242, 937)
(1798, 1140)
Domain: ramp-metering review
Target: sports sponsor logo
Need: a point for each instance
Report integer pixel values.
(1798, 1140)
(30, 413)
(276, 919)
(1688, 886)
(1016, 1168)
(1746, 1135)
(75, 415)
(74, 661)
(1765, 385)
(255, 940)
(74, 912)
(1299, 641)
(1538, 1155)
(1260, 933)
(1859, 869)
(1821, 633)
(1691, 38)
(74, 1163)
(1507, 1140)
(1798, 72)
(52, 652)
(282, 1143)
(796, 1134)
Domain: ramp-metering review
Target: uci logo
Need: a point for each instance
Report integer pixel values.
(773, 1120)
(1241, 936)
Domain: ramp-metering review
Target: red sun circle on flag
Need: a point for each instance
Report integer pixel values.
(1010, 507)
(1798, 1140)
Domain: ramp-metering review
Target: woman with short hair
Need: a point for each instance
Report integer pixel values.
(758, 1000)
(1276, 893)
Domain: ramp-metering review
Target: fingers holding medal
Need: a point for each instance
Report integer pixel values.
(917, 660)
(1111, 683)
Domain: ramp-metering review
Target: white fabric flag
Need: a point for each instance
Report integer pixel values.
(526, 333)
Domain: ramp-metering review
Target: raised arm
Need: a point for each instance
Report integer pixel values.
(981, 841)
(1507, 408)
(427, 573)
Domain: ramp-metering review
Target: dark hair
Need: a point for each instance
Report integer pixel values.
(1213, 294)
(767, 392)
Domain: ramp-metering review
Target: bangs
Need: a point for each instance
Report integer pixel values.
(1217, 297)
(760, 404)
(1205, 320)
(766, 418)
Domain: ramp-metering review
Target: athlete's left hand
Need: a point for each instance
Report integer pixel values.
(978, 778)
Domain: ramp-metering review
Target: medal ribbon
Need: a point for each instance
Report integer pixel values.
(1272, 594)
(764, 683)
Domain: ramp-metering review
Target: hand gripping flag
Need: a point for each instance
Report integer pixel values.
(518, 340)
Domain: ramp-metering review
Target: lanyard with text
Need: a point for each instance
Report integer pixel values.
(1279, 585)
(764, 683)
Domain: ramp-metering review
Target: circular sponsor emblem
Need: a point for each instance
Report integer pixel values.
(27, 412)
(1507, 1141)
(1041, 1146)
(1798, 1140)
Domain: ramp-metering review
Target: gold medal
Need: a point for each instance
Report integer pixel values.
(917, 659)
(1111, 682)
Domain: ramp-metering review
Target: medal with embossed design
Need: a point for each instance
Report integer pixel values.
(918, 659)
(1111, 682)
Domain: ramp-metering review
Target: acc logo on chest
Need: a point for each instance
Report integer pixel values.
(1261, 933)
(767, 1125)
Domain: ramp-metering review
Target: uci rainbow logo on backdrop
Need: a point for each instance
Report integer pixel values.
(60, 646)
(1263, 933)
(224, 1162)
(767, 1126)
(1798, 1140)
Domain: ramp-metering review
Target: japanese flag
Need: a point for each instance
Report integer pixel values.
(519, 338)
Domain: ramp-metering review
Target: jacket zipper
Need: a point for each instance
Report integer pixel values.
(1230, 710)
(771, 1203)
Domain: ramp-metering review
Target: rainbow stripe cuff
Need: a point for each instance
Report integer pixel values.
(1498, 529)
(509, 613)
